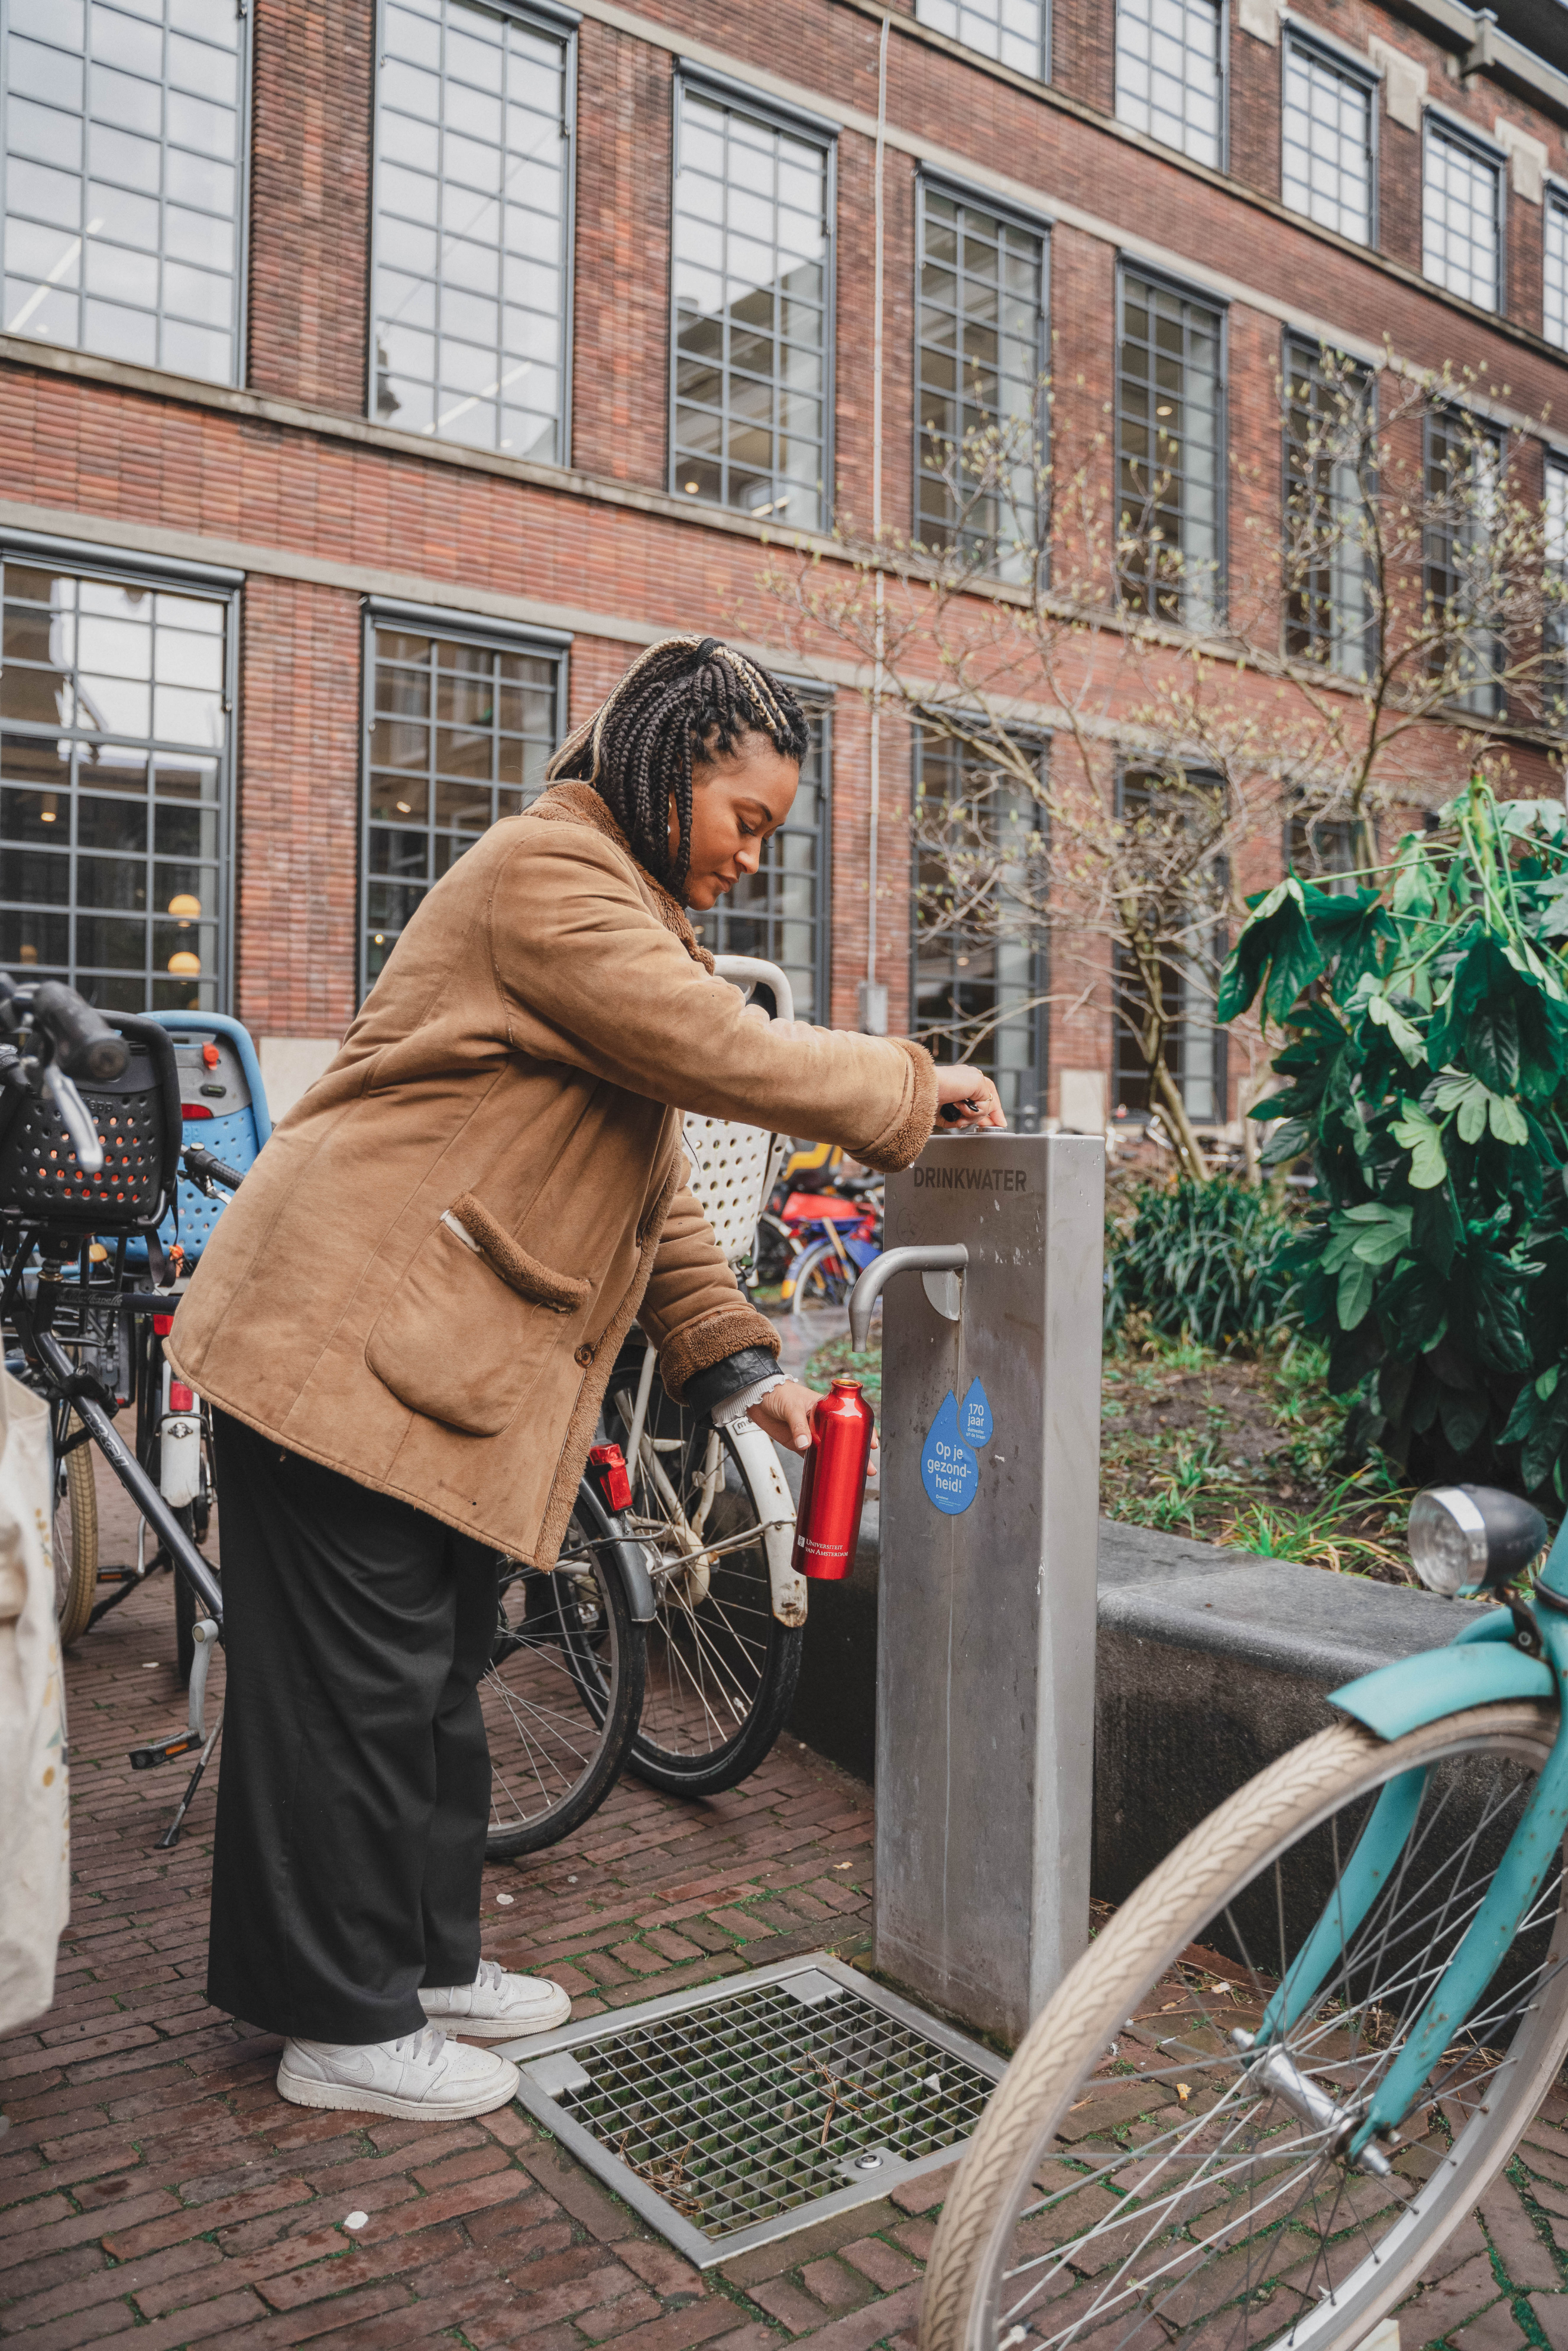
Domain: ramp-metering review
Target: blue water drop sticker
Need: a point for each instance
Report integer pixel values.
(948, 1470)
(975, 1419)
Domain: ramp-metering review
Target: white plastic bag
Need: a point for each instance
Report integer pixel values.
(35, 1858)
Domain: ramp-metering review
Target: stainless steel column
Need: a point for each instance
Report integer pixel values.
(990, 1468)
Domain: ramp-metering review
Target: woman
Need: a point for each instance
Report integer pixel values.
(405, 1323)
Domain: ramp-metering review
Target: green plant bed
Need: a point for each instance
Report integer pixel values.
(1242, 1448)
(838, 1361)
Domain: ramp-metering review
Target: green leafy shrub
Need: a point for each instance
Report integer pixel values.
(1426, 1074)
(1204, 1258)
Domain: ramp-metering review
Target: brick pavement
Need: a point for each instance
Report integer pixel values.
(152, 2183)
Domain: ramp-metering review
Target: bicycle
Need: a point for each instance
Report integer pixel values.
(712, 1511)
(1290, 2064)
(839, 1234)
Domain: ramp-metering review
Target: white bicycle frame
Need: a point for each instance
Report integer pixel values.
(754, 1451)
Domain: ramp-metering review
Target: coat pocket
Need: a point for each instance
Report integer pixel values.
(472, 1323)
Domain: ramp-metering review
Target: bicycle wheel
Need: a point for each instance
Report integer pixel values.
(722, 1670)
(73, 1537)
(1133, 2184)
(816, 1278)
(563, 1689)
(775, 1247)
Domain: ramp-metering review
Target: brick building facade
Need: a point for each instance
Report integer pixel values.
(378, 376)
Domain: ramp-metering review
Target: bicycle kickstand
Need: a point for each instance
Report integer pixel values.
(196, 1734)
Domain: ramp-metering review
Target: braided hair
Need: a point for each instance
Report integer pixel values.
(686, 695)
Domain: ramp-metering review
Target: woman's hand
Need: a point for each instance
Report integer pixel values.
(784, 1414)
(970, 1093)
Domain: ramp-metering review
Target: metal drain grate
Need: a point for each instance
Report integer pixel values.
(743, 2110)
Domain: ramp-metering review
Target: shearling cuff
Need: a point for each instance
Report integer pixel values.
(903, 1143)
(696, 1345)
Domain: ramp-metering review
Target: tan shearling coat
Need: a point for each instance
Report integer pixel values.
(521, 1066)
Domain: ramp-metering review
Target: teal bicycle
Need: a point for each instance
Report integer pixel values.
(1291, 2065)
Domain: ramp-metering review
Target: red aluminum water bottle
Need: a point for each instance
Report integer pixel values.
(832, 1488)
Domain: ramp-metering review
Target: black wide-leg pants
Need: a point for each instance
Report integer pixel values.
(354, 1782)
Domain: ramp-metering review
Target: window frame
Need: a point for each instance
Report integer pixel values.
(1437, 122)
(1034, 224)
(1122, 1040)
(1030, 1116)
(1128, 264)
(819, 707)
(560, 22)
(1294, 35)
(1295, 344)
(1047, 30)
(1222, 51)
(796, 123)
(244, 51)
(435, 620)
(84, 559)
(1555, 204)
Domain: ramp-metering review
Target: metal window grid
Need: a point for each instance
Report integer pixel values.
(1554, 272)
(1461, 227)
(115, 782)
(751, 340)
(781, 912)
(458, 727)
(1170, 81)
(974, 976)
(1463, 461)
(122, 179)
(1326, 151)
(1195, 1047)
(981, 354)
(1169, 451)
(1321, 848)
(475, 110)
(1554, 685)
(740, 2112)
(1017, 33)
(1328, 606)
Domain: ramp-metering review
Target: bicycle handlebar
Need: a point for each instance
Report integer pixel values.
(204, 1169)
(86, 1047)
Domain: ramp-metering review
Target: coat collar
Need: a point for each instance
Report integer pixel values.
(575, 803)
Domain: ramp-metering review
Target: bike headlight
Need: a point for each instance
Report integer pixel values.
(1464, 1536)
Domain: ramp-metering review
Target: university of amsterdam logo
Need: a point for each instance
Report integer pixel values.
(949, 1468)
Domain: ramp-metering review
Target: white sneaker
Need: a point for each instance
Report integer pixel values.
(424, 2075)
(496, 2006)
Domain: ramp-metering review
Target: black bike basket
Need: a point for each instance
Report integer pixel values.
(138, 1116)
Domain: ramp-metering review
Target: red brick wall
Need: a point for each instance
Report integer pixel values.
(309, 203)
(1253, 111)
(296, 855)
(621, 323)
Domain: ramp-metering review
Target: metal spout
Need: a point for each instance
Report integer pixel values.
(947, 1260)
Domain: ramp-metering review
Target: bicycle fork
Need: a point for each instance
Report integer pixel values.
(1519, 1877)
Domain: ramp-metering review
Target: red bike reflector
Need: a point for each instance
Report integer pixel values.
(211, 1056)
(162, 1324)
(181, 1398)
(608, 1465)
(194, 1110)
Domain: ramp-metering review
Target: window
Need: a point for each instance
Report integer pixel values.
(1178, 817)
(1326, 142)
(114, 785)
(982, 354)
(781, 912)
(1168, 448)
(1554, 320)
(753, 270)
(122, 188)
(1464, 470)
(1014, 32)
(471, 207)
(978, 979)
(1168, 73)
(1330, 454)
(1554, 684)
(458, 733)
(1460, 202)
